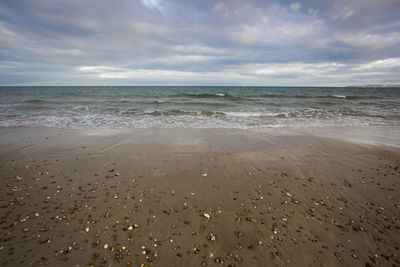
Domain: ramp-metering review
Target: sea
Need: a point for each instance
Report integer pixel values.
(197, 106)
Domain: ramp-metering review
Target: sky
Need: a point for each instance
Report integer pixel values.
(204, 42)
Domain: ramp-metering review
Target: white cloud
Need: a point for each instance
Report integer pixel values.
(278, 32)
(155, 76)
(198, 49)
(8, 38)
(312, 11)
(293, 68)
(220, 7)
(4, 31)
(289, 73)
(249, 34)
(370, 40)
(153, 4)
(209, 40)
(379, 65)
(344, 13)
(295, 6)
(182, 59)
(99, 69)
(234, 9)
(254, 73)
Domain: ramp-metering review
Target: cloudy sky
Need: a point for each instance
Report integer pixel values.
(203, 42)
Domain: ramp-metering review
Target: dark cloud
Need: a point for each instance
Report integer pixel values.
(206, 42)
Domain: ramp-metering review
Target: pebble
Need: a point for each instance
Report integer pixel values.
(213, 236)
(238, 258)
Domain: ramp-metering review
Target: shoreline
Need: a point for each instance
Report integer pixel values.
(196, 197)
(385, 136)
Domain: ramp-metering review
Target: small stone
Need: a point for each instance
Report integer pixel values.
(238, 258)
(105, 246)
(238, 234)
(98, 233)
(87, 229)
(213, 236)
(250, 219)
(219, 260)
(207, 216)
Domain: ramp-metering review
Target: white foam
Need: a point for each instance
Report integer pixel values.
(257, 114)
(243, 114)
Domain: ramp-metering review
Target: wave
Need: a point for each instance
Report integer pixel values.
(261, 114)
(206, 95)
(185, 103)
(172, 112)
(37, 101)
(187, 121)
(177, 112)
(280, 96)
(355, 97)
(339, 96)
(130, 111)
(351, 97)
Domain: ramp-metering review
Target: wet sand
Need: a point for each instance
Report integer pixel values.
(196, 197)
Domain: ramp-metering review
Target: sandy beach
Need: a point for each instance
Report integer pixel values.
(199, 197)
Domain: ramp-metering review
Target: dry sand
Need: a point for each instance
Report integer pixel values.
(192, 197)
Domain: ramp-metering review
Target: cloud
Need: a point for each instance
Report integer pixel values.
(381, 65)
(202, 42)
(153, 4)
(295, 6)
(290, 73)
(99, 69)
(312, 11)
(344, 13)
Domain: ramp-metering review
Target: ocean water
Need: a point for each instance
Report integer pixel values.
(197, 107)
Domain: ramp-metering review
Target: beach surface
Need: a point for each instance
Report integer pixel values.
(323, 196)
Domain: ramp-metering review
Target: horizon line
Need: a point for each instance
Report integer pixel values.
(146, 85)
